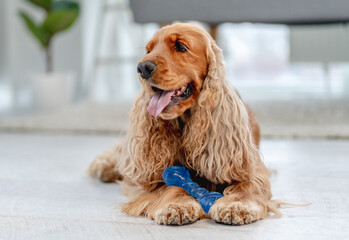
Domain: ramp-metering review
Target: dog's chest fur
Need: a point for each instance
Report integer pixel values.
(200, 180)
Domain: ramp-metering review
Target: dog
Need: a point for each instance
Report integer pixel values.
(188, 114)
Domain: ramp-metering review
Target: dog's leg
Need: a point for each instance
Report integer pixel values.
(166, 205)
(103, 166)
(244, 203)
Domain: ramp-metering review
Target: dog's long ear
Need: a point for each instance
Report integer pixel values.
(149, 145)
(217, 138)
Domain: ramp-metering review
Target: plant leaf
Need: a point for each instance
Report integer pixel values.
(66, 5)
(64, 15)
(46, 4)
(37, 32)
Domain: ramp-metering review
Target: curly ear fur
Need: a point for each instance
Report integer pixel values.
(218, 142)
(217, 138)
(149, 147)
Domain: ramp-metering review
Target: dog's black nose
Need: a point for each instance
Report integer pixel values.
(146, 69)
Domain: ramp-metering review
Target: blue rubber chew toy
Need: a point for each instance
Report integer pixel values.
(179, 176)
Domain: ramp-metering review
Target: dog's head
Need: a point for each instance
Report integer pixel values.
(174, 69)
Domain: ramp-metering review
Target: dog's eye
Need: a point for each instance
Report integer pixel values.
(179, 47)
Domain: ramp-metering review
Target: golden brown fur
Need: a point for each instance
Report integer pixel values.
(212, 133)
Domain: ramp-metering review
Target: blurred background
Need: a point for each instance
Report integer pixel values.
(292, 70)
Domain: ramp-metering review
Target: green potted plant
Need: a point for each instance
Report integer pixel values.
(50, 89)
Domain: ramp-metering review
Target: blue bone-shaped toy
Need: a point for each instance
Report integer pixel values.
(179, 176)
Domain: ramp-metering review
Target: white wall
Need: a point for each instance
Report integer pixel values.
(74, 50)
(25, 56)
(2, 40)
(118, 42)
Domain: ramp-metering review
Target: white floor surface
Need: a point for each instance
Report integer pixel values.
(45, 193)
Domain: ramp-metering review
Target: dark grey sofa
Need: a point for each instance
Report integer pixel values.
(215, 12)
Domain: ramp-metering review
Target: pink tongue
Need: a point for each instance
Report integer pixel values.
(159, 102)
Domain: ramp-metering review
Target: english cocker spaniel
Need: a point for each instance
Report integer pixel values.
(187, 114)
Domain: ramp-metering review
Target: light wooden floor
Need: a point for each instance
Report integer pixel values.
(45, 193)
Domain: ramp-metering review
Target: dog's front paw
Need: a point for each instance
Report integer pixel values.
(179, 214)
(236, 213)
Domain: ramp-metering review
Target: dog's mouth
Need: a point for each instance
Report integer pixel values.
(167, 98)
